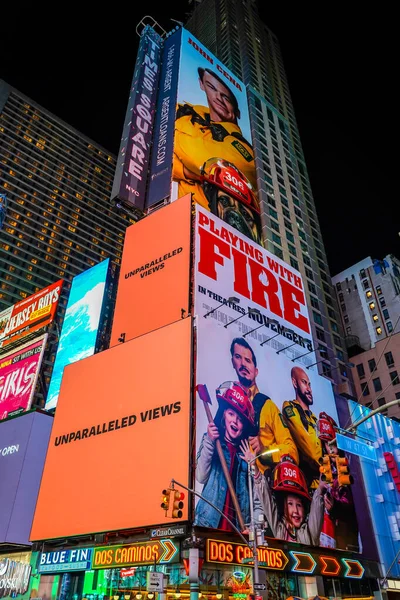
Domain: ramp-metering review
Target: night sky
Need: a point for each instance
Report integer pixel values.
(342, 71)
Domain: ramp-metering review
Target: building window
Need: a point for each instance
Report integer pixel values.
(365, 389)
(326, 370)
(365, 283)
(294, 263)
(377, 384)
(389, 326)
(339, 286)
(346, 318)
(360, 371)
(368, 294)
(385, 313)
(389, 359)
(375, 317)
(378, 290)
(314, 302)
(379, 330)
(317, 318)
(394, 377)
(372, 365)
(381, 401)
(323, 351)
(340, 355)
(382, 301)
(362, 273)
(397, 395)
(348, 330)
(320, 334)
(372, 305)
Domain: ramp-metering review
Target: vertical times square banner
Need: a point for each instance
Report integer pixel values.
(133, 157)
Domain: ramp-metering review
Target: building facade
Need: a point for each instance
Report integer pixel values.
(58, 219)
(290, 223)
(368, 295)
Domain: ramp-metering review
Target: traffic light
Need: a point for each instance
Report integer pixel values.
(165, 500)
(325, 468)
(343, 474)
(177, 504)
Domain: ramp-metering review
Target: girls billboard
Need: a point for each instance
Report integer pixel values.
(19, 371)
(203, 144)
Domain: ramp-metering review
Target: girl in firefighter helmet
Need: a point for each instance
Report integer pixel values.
(233, 423)
(290, 511)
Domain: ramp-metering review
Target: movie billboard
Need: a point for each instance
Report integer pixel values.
(115, 431)
(23, 447)
(19, 372)
(154, 282)
(239, 280)
(81, 324)
(256, 405)
(130, 178)
(205, 106)
(30, 314)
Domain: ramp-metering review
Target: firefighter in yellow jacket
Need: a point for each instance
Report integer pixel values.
(302, 423)
(273, 430)
(206, 135)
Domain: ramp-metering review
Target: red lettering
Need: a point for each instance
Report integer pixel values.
(273, 265)
(208, 255)
(240, 284)
(267, 287)
(203, 219)
(292, 299)
(297, 281)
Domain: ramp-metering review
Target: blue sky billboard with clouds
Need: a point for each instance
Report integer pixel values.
(81, 323)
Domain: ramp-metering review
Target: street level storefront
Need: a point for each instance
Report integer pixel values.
(15, 571)
(122, 572)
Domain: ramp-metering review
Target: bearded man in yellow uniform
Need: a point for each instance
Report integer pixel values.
(273, 430)
(302, 423)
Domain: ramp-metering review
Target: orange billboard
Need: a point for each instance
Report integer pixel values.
(153, 287)
(120, 434)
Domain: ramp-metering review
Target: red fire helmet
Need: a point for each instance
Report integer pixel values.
(326, 427)
(288, 477)
(231, 394)
(227, 177)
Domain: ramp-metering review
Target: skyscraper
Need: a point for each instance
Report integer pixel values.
(290, 223)
(58, 220)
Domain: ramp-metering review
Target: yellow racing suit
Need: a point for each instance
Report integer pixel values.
(197, 139)
(273, 430)
(303, 426)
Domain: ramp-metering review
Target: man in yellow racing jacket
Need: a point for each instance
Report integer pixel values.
(302, 423)
(203, 132)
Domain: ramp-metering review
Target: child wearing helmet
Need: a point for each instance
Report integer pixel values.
(233, 423)
(291, 513)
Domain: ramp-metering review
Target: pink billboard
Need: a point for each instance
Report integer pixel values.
(19, 370)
